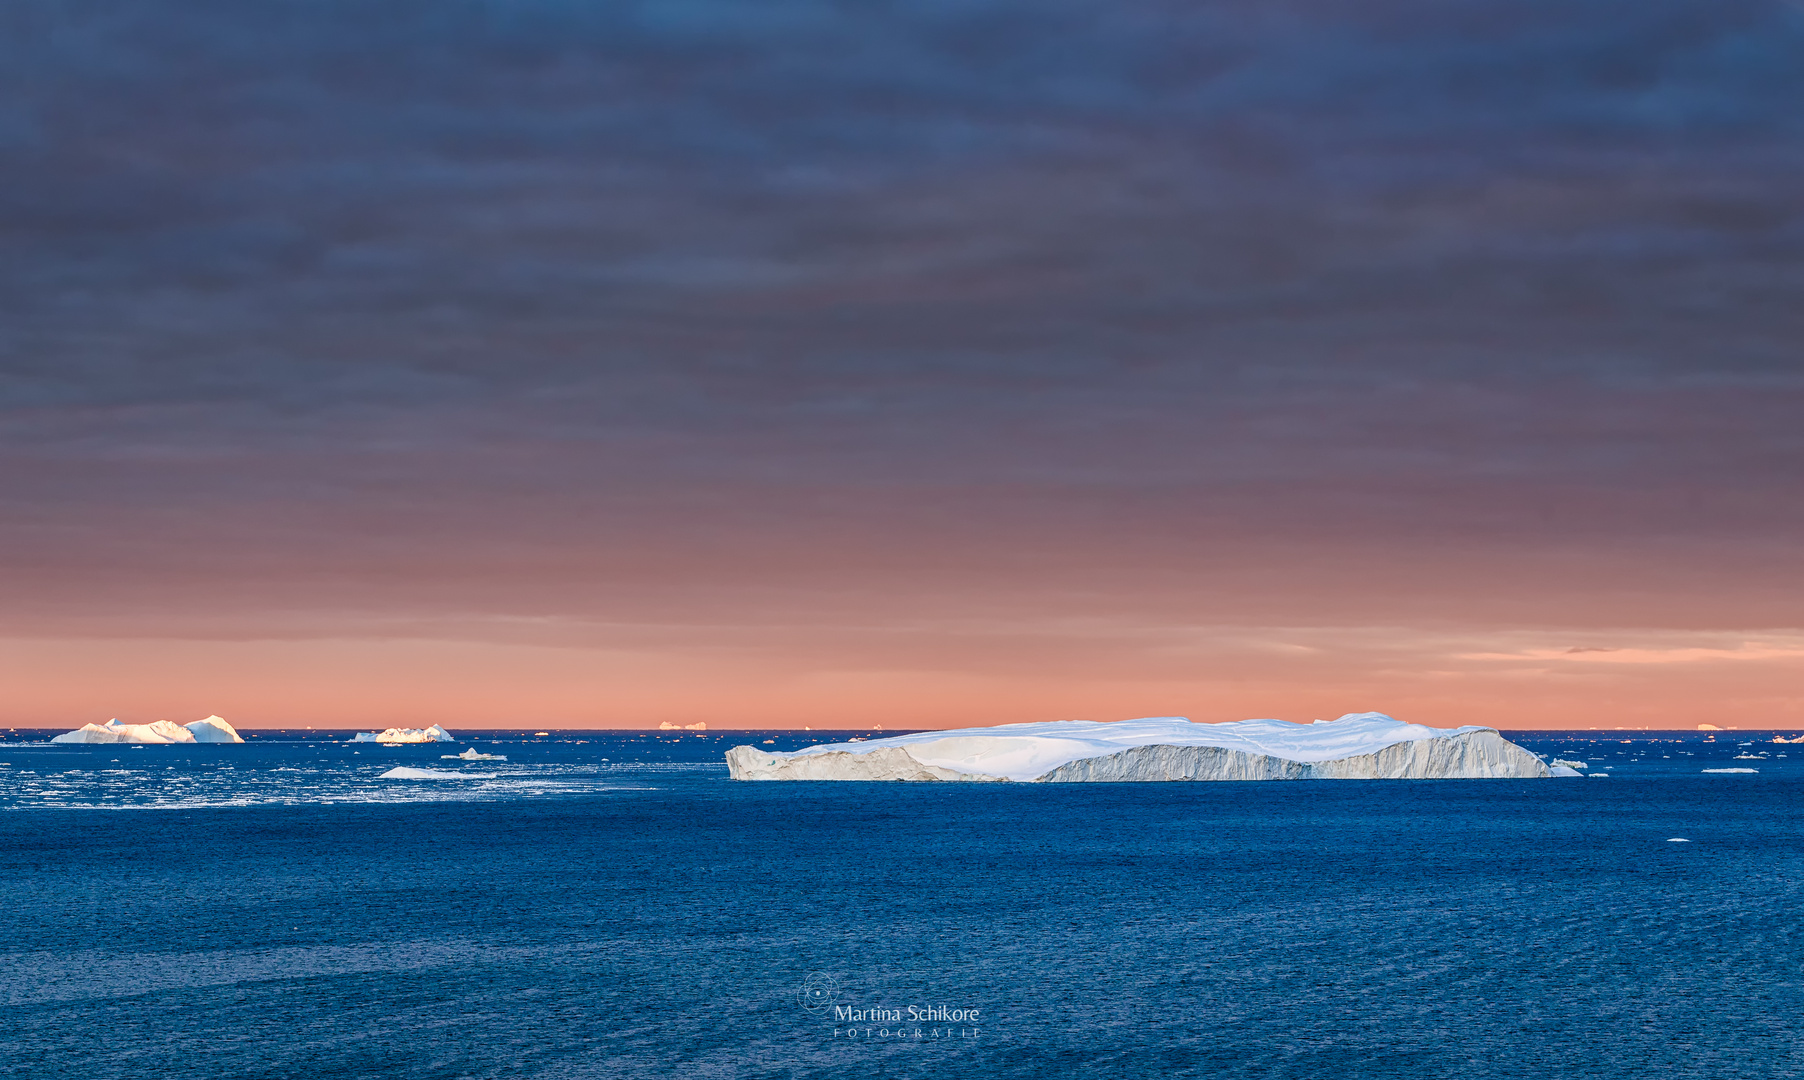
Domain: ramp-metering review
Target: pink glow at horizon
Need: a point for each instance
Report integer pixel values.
(1210, 677)
(628, 606)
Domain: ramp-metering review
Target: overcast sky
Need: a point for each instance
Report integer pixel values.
(918, 363)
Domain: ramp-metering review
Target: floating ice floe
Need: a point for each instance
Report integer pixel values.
(213, 729)
(1677, 840)
(405, 735)
(472, 755)
(402, 772)
(1356, 746)
(1567, 763)
(1730, 770)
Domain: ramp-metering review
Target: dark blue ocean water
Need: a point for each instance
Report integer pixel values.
(610, 906)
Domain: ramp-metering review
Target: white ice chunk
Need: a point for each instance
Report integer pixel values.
(472, 754)
(402, 772)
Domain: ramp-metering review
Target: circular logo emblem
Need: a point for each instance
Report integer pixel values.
(818, 990)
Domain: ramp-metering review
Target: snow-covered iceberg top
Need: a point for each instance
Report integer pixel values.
(1024, 752)
(213, 729)
(405, 735)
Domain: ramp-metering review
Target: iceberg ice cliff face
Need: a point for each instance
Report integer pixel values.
(213, 729)
(405, 735)
(1368, 746)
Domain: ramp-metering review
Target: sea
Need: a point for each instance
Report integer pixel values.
(611, 905)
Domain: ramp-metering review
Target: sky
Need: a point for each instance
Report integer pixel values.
(922, 364)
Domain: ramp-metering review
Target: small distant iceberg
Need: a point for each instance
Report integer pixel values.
(472, 755)
(405, 735)
(404, 773)
(1729, 770)
(1356, 746)
(668, 726)
(213, 729)
(1570, 764)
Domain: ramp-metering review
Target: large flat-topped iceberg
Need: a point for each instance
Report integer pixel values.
(213, 729)
(1357, 746)
(405, 735)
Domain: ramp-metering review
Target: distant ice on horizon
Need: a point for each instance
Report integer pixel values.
(434, 733)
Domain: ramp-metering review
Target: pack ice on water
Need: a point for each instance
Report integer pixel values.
(213, 729)
(1356, 746)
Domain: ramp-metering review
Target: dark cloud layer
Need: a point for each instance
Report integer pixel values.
(542, 307)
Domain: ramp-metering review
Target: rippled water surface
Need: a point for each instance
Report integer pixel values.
(608, 906)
